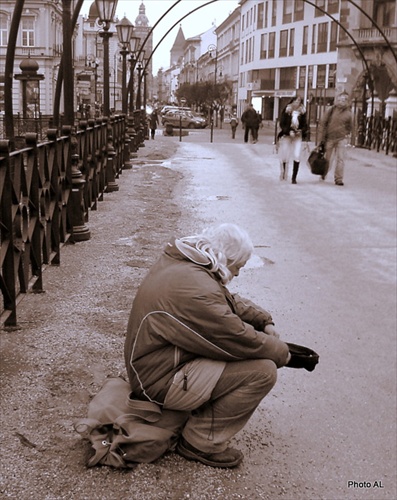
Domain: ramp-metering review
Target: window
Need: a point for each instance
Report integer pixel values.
(321, 69)
(263, 50)
(305, 39)
(268, 78)
(331, 76)
(261, 11)
(274, 12)
(302, 77)
(288, 7)
(334, 36)
(322, 37)
(321, 4)
(291, 42)
(242, 54)
(272, 44)
(3, 30)
(287, 78)
(333, 6)
(266, 14)
(314, 39)
(299, 7)
(310, 77)
(28, 32)
(385, 12)
(283, 43)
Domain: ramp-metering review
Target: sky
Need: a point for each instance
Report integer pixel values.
(195, 24)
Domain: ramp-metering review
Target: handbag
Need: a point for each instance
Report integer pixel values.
(317, 161)
(125, 431)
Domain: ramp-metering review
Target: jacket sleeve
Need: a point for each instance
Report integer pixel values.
(304, 127)
(208, 326)
(251, 313)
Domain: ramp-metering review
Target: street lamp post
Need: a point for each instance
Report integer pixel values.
(213, 53)
(140, 70)
(124, 32)
(106, 12)
(134, 44)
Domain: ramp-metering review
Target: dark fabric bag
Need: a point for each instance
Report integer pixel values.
(317, 161)
(302, 357)
(125, 431)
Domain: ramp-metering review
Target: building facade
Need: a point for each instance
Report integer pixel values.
(38, 53)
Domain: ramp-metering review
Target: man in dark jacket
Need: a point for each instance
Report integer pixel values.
(249, 120)
(193, 346)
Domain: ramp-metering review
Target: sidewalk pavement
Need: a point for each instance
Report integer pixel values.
(71, 337)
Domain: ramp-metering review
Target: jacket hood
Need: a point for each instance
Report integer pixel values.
(184, 250)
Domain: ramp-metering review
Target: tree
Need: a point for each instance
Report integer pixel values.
(204, 94)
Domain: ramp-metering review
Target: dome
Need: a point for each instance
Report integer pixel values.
(142, 20)
(93, 12)
(29, 66)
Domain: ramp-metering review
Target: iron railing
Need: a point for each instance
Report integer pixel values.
(46, 191)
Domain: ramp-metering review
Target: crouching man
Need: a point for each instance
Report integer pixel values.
(193, 346)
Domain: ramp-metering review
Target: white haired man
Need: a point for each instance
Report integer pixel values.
(193, 346)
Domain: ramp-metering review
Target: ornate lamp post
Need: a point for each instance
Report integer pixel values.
(134, 44)
(140, 69)
(125, 30)
(106, 12)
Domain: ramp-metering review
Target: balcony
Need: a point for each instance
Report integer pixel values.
(372, 36)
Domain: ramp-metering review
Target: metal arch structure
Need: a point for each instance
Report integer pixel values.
(58, 87)
(344, 29)
(175, 24)
(166, 34)
(8, 71)
(376, 26)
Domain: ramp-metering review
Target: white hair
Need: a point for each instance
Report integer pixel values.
(225, 245)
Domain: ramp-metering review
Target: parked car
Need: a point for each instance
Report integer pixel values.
(165, 109)
(185, 119)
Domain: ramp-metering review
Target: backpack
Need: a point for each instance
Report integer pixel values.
(125, 431)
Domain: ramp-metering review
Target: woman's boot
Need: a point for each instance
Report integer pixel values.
(295, 171)
(284, 171)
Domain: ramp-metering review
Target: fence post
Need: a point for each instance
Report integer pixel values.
(77, 205)
(111, 184)
(8, 276)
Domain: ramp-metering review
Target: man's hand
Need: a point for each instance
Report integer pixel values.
(270, 330)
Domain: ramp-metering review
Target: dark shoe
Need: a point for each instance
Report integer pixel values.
(226, 459)
(294, 181)
(339, 183)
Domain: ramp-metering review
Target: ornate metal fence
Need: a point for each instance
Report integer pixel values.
(46, 192)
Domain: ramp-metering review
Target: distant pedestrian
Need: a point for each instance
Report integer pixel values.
(294, 129)
(234, 125)
(255, 130)
(335, 127)
(154, 121)
(248, 119)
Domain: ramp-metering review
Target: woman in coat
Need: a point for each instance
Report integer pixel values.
(294, 129)
(193, 346)
(154, 121)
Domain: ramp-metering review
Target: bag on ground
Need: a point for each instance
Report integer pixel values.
(317, 161)
(125, 431)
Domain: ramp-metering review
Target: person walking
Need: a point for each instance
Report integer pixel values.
(154, 121)
(233, 125)
(335, 127)
(294, 129)
(249, 119)
(255, 130)
(194, 346)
